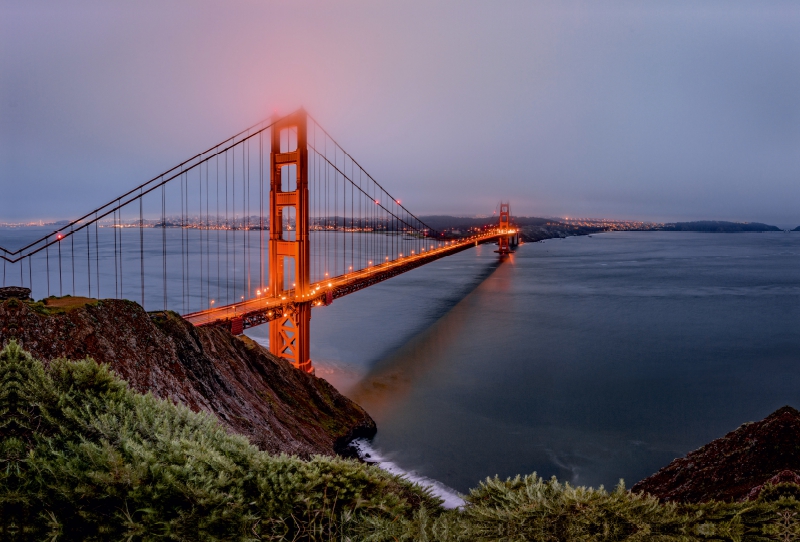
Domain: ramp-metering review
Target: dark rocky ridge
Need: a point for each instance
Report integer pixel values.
(719, 226)
(252, 392)
(735, 467)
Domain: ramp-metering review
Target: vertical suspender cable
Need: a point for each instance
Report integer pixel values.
(246, 209)
(227, 227)
(183, 246)
(47, 266)
(164, 246)
(88, 261)
(200, 228)
(208, 247)
(119, 216)
(141, 242)
(60, 281)
(261, 209)
(97, 253)
(233, 212)
(217, 222)
(72, 257)
(114, 231)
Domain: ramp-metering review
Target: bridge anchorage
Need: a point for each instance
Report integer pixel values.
(258, 229)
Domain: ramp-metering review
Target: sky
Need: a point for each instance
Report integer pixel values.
(657, 111)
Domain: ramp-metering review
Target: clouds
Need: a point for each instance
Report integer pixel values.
(654, 112)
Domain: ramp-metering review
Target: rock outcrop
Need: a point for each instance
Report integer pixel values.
(735, 467)
(252, 392)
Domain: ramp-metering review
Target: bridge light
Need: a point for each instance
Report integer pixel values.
(370, 262)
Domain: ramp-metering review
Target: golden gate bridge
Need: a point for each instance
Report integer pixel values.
(260, 228)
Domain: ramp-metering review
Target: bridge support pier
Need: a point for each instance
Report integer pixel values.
(289, 335)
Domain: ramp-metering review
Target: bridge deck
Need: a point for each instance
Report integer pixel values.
(263, 309)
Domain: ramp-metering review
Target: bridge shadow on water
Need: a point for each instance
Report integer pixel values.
(395, 374)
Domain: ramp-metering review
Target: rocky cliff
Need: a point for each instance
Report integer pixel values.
(248, 389)
(735, 467)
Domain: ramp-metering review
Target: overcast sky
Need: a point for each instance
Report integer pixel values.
(632, 110)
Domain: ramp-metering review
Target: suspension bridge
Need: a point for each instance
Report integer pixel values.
(258, 229)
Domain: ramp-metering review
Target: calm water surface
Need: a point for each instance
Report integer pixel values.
(590, 358)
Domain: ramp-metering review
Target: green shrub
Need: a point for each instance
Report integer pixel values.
(85, 458)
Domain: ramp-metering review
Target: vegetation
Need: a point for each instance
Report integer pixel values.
(61, 305)
(85, 458)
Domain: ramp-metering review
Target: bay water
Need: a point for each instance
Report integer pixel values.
(592, 359)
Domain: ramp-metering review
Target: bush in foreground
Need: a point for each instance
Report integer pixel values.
(85, 458)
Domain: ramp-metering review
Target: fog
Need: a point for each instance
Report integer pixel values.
(628, 110)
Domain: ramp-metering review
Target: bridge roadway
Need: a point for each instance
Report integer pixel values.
(262, 309)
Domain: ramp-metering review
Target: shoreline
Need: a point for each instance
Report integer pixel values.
(370, 455)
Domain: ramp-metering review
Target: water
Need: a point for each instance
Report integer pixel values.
(591, 359)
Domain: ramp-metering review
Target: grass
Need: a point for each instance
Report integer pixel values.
(61, 305)
(83, 457)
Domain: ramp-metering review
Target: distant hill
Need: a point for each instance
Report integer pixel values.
(797, 228)
(444, 222)
(719, 226)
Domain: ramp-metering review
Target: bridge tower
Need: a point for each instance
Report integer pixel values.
(504, 225)
(289, 334)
